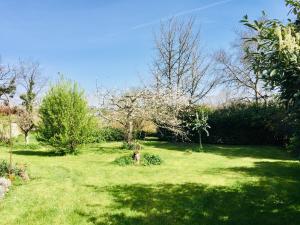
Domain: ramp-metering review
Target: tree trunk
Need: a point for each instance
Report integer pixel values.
(200, 140)
(129, 132)
(10, 140)
(26, 138)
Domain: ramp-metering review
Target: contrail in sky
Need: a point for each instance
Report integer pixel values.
(182, 13)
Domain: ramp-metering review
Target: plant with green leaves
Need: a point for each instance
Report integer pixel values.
(32, 82)
(276, 58)
(7, 91)
(200, 124)
(65, 119)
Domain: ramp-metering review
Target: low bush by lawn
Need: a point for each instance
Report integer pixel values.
(147, 159)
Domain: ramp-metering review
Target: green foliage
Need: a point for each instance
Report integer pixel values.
(294, 144)
(151, 159)
(112, 134)
(106, 134)
(140, 134)
(241, 123)
(4, 168)
(249, 124)
(199, 124)
(147, 159)
(15, 170)
(29, 97)
(65, 120)
(277, 57)
(124, 160)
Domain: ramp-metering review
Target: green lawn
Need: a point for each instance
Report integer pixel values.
(223, 185)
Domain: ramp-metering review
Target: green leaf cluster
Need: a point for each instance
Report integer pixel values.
(276, 59)
(65, 119)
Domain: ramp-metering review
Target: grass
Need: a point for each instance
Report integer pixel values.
(222, 185)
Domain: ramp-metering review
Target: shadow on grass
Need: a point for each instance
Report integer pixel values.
(275, 200)
(38, 153)
(286, 172)
(267, 152)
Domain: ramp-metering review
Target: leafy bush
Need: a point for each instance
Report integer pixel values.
(124, 160)
(151, 159)
(65, 118)
(147, 159)
(249, 124)
(112, 134)
(4, 168)
(106, 134)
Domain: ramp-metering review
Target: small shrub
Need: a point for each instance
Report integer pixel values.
(151, 159)
(147, 159)
(124, 160)
(17, 170)
(4, 168)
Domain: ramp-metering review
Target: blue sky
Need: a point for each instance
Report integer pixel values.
(112, 41)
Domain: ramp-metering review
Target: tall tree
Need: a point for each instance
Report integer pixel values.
(180, 65)
(182, 74)
(32, 82)
(125, 107)
(277, 59)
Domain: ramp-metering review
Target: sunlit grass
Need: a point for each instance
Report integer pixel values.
(220, 185)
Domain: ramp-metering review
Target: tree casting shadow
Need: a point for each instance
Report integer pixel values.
(275, 200)
(38, 153)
